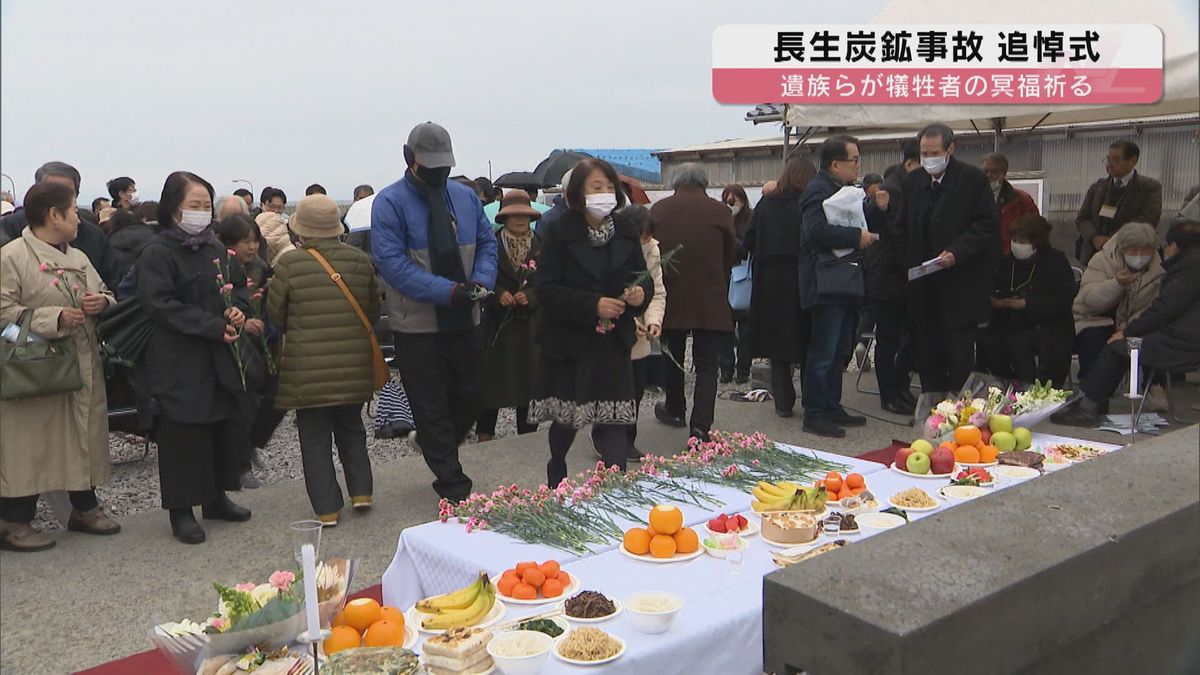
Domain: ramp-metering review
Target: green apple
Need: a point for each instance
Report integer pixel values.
(918, 463)
(1000, 423)
(922, 446)
(1024, 438)
(1005, 441)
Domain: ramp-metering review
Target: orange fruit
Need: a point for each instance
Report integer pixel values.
(565, 579)
(506, 584)
(967, 453)
(522, 566)
(524, 592)
(968, 435)
(392, 614)
(686, 540)
(988, 453)
(855, 481)
(857, 491)
(662, 546)
(342, 637)
(845, 493)
(552, 588)
(384, 633)
(511, 572)
(534, 577)
(361, 613)
(637, 541)
(949, 445)
(550, 568)
(666, 519)
(339, 619)
(833, 481)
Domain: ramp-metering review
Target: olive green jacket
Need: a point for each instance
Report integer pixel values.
(325, 355)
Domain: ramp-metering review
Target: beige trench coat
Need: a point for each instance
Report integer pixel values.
(52, 442)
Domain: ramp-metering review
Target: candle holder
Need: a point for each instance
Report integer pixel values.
(1134, 394)
(306, 638)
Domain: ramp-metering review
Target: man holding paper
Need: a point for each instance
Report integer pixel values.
(950, 227)
(833, 231)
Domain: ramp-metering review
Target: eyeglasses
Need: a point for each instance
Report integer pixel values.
(856, 160)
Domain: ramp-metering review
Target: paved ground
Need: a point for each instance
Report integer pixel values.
(93, 599)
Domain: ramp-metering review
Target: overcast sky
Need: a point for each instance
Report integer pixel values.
(288, 93)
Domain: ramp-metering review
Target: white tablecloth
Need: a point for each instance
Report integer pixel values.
(439, 557)
(719, 629)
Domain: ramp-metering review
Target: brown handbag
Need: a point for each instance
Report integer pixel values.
(379, 368)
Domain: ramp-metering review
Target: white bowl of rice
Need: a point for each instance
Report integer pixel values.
(653, 612)
(520, 652)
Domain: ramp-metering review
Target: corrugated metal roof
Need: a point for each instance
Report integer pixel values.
(639, 163)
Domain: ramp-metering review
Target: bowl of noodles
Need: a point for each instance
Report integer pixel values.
(655, 612)
(588, 646)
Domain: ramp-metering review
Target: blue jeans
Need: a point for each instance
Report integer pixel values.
(829, 347)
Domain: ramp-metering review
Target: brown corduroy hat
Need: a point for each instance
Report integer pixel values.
(317, 217)
(516, 203)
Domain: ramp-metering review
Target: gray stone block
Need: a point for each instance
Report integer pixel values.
(1009, 581)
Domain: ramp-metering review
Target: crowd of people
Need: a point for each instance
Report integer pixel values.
(230, 312)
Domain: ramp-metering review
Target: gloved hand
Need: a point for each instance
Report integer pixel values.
(461, 297)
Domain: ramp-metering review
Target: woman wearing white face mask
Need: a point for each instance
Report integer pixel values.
(188, 377)
(589, 261)
(1030, 332)
(1120, 282)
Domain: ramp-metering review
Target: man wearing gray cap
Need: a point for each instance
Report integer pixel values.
(435, 250)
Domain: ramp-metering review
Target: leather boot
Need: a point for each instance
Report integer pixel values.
(184, 526)
(94, 521)
(22, 538)
(223, 509)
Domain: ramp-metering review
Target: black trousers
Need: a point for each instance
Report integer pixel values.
(783, 386)
(486, 424)
(443, 374)
(705, 347)
(1107, 372)
(945, 356)
(893, 348)
(268, 418)
(735, 347)
(320, 429)
(1089, 342)
(196, 462)
(1028, 353)
(23, 509)
(611, 439)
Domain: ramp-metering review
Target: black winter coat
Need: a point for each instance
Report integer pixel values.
(959, 216)
(886, 274)
(1045, 282)
(818, 236)
(127, 242)
(773, 238)
(187, 373)
(1170, 327)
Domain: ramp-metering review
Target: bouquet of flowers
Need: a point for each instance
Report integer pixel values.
(524, 273)
(1027, 408)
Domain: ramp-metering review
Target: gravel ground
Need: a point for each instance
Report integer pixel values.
(134, 487)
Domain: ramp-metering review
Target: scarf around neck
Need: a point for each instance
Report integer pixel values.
(517, 246)
(444, 257)
(599, 236)
(194, 242)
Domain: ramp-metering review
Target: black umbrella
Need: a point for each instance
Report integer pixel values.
(519, 179)
(550, 171)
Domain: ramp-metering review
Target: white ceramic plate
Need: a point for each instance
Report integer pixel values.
(984, 465)
(678, 557)
(600, 619)
(556, 620)
(902, 472)
(799, 549)
(1017, 472)
(879, 521)
(963, 492)
(752, 529)
(916, 509)
(720, 552)
(571, 589)
(610, 659)
(414, 618)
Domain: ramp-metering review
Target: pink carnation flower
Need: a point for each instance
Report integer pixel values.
(43, 267)
(282, 579)
(245, 588)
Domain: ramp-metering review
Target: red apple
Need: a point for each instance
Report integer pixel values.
(941, 461)
(902, 458)
(987, 435)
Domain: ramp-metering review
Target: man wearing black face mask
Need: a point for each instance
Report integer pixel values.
(435, 250)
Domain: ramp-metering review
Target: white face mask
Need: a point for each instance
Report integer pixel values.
(935, 165)
(1136, 262)
(194, 222)
(1021, 250)
(736, 208)
(134, 200)
(601, 204)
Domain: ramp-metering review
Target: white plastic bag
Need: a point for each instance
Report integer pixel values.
(845, 208)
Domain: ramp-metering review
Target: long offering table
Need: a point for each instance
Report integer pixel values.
(719, 629)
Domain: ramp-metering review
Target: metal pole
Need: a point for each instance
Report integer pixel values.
(243, 180)
(787, 135)
(12, 183)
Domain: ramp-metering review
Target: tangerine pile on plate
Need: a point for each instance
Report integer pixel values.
(838, 488)
(530, 581)
(363, 622)
(970, 447)
(665, 536)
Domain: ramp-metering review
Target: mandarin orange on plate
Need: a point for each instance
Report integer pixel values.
(552, 588)
(662, 546)
(384, 633)
(967, 453)
(637, 541)
(524, 591)
(856, 481)
(393, 614)
(341, 637)
(506, 584)
(968, 435)
(686, 540)
(361, 613)
(565, 579)
(522, 566)
(550, 568)
(666, 519)
(988, 453)
(534, 577)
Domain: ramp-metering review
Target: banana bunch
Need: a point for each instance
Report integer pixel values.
(786, 496)
(462, 608)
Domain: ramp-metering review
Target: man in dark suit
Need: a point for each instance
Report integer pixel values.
(949, 214)
(91, 239)
(1124, 196)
